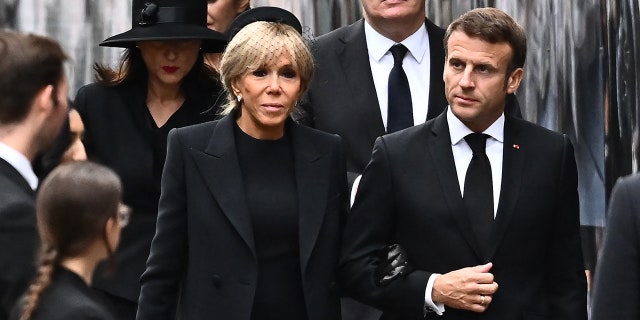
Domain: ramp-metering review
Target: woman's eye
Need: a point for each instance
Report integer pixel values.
(259, 73)
(289, 73)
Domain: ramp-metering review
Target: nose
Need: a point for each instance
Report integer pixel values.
(170, 51)
(274, 83)
(466, 80)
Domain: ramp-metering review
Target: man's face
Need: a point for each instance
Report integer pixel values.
(380, 11)
(476, 83)
(58, 113)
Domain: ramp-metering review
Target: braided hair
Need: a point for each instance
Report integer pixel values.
(73, 205)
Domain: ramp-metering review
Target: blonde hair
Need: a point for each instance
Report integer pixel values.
(259, 44)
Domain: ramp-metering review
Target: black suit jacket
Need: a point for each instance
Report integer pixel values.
(409, 194)
(342, 98)
(69, 298)
(203, 254)
(18, 236)
(616, 291)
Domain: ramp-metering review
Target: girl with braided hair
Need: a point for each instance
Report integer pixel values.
(80, 216)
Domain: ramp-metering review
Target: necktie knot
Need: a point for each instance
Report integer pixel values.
(398, 51)
(477, 142)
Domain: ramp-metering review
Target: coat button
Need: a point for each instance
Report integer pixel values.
(217, 282)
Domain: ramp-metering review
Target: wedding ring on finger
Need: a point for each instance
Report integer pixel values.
(482, 300)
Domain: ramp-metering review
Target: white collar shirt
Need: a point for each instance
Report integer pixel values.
(20, 163)
(416, 65)
(462, 153)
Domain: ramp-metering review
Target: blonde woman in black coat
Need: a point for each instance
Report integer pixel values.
(252, 205)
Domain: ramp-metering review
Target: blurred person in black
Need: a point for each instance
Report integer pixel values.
(162, 83)
(33, 107)
(80, 217)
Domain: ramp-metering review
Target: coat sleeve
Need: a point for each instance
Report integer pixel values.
(616, 291)
(369, 227)
(166, 263)
(566, 281)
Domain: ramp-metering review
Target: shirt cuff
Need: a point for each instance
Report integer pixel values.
(429, 305)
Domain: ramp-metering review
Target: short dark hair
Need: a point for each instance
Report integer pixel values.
(492, 25)
(28, 63)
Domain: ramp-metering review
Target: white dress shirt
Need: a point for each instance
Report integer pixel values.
(416, 64)
(20, 163)
(462, 155)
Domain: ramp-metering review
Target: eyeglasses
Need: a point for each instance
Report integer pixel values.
(124, 215)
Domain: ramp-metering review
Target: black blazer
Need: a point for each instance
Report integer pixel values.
(203, 258)
(69, 298)
(616, 291)
(342, 98)
(118, 135)
(18, 236)
(409, 194)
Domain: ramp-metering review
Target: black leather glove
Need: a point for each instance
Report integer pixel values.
(393, 264)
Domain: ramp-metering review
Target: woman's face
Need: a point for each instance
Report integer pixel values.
(268, 96)
(76, 150)
(169, 61)
(220, 13)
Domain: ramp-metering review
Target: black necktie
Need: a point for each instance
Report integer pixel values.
(399, 113)
(478, 191)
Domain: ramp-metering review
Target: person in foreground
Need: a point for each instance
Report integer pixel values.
(491, 233)
(252, 205)
(616, 290)
(33, 107)
(80, 216)
(162, 83)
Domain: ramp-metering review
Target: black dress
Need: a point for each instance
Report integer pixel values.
(269, 178)
(121, 134)
(68, 298)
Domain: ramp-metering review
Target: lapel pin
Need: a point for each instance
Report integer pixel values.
(517, 147)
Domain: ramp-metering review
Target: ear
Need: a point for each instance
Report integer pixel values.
(514, 80)
(242, 6)
(44, 99)
(111, 230)
(235, 88)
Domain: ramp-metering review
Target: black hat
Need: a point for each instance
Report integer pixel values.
(269, 14)
(168, 20)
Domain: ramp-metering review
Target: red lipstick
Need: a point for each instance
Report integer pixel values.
(170, 69)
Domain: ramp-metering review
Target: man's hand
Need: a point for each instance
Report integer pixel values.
(469, 288)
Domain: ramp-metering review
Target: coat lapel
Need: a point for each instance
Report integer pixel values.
(220, 168)
(512, 168)
(441, 153)
(353, 56)
(312, 180)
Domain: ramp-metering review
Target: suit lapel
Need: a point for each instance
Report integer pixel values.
(12, 174)
(512, 168)
(220, 167)
(312, 181)
(354, 59)
(437, 99)
(441, 153)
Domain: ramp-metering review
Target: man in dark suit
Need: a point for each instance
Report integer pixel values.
(508, 250)
(33, 106)
(348, 94)
(616, 290)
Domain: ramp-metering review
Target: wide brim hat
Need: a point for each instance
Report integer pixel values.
(168, 20)
(269, 14)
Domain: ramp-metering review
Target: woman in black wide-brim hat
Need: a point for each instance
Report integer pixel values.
(161, 83)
